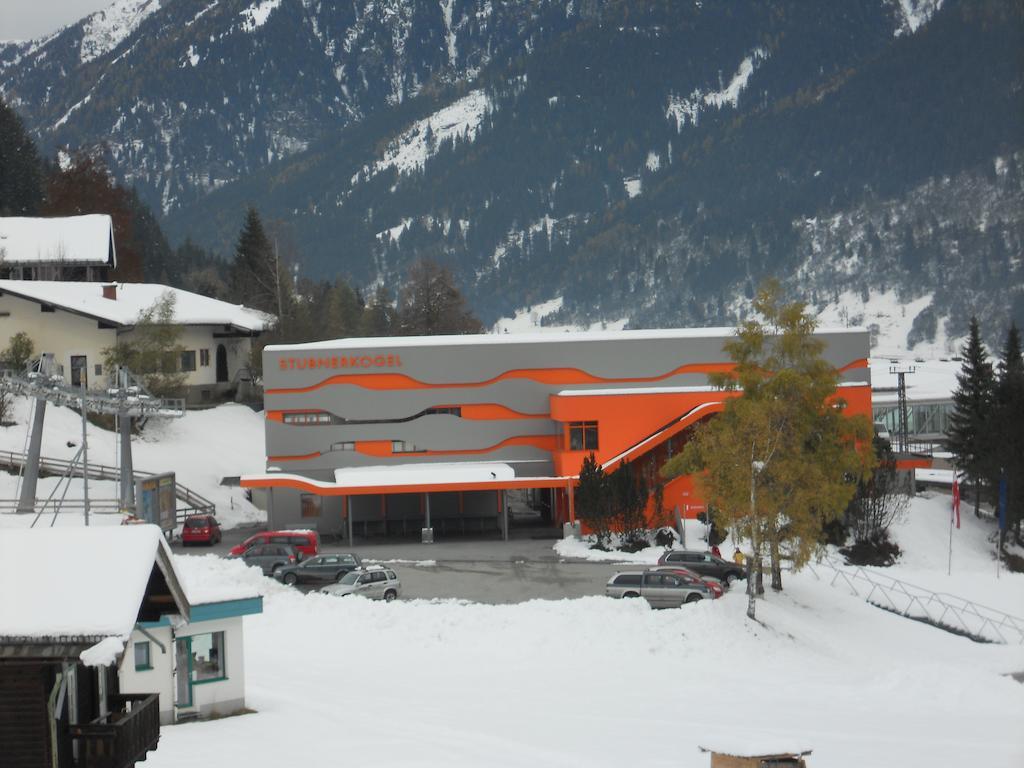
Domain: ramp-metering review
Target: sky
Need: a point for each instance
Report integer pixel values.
(29, 19)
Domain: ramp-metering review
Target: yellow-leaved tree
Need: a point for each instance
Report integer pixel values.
(783, 458)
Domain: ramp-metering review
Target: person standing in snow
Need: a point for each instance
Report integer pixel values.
(737, 557)
(715, 550)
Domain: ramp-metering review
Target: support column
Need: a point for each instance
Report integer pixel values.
(427, 534)
(27, 497)
(127, 500)
(504, 514)
(572, 503)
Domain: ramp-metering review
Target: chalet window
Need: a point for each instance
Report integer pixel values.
(188, 360)
(583, 436)
(142, 660)
(310, 504)
(204, 358)
(207, 657)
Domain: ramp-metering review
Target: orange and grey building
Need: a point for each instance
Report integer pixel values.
(391, 435)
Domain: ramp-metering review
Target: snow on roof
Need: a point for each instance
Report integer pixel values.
(133, 299)
(635, 391)
(212, 579)
(423, 472)
(525, 338)
(75, 582)
(69, 239)
(756, 746)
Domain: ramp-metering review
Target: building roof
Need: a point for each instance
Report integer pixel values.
(84, 583)
(389, 342)
(134, 298)
(79, 240)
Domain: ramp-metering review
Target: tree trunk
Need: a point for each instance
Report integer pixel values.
(751, 601)
(760, 577)
(977, 497)
(776, 567)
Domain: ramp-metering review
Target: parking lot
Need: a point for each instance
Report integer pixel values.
(483, 571)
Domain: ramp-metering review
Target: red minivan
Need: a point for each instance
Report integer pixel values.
(305, 543)
(200, 529)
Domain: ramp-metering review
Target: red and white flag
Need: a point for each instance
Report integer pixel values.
(956, 501)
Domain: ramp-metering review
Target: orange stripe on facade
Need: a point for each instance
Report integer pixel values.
(399, 381)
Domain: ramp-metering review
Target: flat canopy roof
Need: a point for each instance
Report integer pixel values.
(400, 481)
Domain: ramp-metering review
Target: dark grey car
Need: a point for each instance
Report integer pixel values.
(705, 564)
(319, 569)
(269, 557)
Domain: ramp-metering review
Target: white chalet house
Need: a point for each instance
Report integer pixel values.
(78, 321)
(60, 248)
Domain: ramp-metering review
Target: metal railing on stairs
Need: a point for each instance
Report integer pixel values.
(193, 501)
(942, 610)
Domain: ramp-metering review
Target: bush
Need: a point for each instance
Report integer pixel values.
(877, 550)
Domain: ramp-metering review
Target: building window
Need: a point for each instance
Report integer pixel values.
(310, 503)
(451, 410)
(142, 660)
(400, 446)
(583, 436)
(207, 657)
(308, 419)
(188, 360)
(345, 446)
(204, 358)
(98, 369)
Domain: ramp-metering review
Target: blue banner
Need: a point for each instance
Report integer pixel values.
(1002, 503)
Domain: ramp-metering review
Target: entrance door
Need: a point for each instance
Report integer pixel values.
(222, 363)
(79, 371)
(183, 672)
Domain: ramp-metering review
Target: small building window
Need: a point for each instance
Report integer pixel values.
(188, 360)
(451, 410)
(348, 445)
(207, 657)
(142, 660)
(308, 419)
(583, 436)
(310, 504)
(98, 369)
(204, 358)
(400, 446)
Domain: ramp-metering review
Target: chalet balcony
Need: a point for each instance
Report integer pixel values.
(123, 737)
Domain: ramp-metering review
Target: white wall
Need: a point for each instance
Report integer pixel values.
(222, 697)
(62, 333)
(66, 334)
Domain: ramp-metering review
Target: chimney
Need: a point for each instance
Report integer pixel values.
(110, 291)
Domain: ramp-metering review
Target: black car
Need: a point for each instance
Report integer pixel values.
(269, 557)
(319, 569)
(705, 564)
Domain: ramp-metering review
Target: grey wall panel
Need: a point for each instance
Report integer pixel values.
(540, 463)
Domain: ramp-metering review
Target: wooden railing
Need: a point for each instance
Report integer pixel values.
(123, 737)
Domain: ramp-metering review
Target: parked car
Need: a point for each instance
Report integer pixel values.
(717, 590)
(375, 582)
(705, 564)
(268, 557)
(660, 589)
(305, 543)
(200, 529)
(318, 569)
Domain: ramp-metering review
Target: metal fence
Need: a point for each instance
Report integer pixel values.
(949, 612)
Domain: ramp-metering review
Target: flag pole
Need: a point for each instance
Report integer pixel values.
(952, 513)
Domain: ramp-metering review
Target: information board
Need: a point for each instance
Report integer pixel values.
(157, 501)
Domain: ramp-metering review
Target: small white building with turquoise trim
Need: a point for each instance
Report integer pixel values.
(196, 666)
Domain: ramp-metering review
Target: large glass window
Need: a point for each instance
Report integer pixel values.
(188, 360)
(310, 504)
(583, 436)
(142, 660)
(208, 657)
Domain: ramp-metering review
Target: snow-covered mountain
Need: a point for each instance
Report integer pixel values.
(617, 161)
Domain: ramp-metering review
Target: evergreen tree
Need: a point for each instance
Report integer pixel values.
(967, 436)
(591, 501)
(1008, 428)
(379, 319)
(21, 181)
(257, 278)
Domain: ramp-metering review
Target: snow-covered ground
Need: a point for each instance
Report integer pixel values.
(528, 320)
(202, 448)
(596, 681)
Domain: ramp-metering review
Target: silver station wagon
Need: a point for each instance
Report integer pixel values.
(375, 582)
(660, 589)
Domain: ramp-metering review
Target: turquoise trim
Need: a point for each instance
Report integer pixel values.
(210, 680)
(226, 609)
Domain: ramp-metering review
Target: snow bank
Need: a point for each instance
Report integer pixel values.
(579, 549)
(104, 653)
(597, 682)
(202, 448)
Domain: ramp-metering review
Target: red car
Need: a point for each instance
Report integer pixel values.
(200, 529)
(305, 543)
(717, 590)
